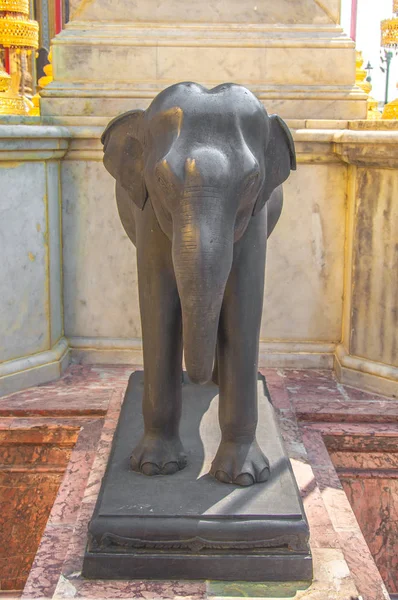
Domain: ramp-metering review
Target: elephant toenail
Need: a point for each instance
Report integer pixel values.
(264, 475)
(149, 468)
(244, 479)
(222, 476)
(170, 468)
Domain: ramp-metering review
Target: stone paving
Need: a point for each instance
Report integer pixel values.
(314, 411)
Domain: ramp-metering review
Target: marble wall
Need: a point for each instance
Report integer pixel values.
(32, 346)
(219, 11)
(114, 55)
(331, 295)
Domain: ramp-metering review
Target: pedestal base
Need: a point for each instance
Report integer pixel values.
(189, 525)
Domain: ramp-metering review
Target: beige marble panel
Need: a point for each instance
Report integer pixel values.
(305, 263)
(309, 66)
(211, 64)
(374, 304)
(101, 63)
(233, 11)
(100, 281)
(24, 296)
(119, 102)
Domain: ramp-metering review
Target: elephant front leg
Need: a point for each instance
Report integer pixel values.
(160, 451)
(239, 459)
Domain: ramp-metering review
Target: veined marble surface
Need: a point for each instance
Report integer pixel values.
(224, 11)
(343, 564)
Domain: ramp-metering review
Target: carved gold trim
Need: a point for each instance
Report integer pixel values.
(12, 105)
(18, 6)
(19, 33)
(389, 32)
(5, 81)
(390, 110)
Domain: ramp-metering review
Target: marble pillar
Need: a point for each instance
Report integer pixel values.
(115, 56)
(32, 344)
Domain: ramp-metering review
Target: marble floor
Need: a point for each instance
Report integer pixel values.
(342, 443)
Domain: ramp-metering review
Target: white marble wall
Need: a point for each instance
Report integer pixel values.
(100, 280)
(217, 11)
(327, 299)
(305, 262)
(31, 319)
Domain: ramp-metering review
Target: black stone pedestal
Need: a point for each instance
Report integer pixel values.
(189, 525)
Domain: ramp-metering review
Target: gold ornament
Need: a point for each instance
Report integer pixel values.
(391, 110)
(12, 104)
(35, 110)
(15, 6)
(48, 70)
(360, 74)
(5, 81)
(389, 32)
(366, 86)
(395, 8)
(19, 33)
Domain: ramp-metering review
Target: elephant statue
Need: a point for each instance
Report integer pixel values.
(198, 189)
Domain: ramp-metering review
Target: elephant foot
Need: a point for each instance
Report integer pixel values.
(158, 455)
(240, 463)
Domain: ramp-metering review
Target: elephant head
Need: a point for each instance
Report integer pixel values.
(208, 161)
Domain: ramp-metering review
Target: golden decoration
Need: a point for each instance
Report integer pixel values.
(389, 39)
(389, 32)
(48, 77)
(360, 80)
(360, 74)
(391, 110)
(19, 33)
(35, 110)
(11, 104)
(5, 80)
(43, 81)
(15, 6)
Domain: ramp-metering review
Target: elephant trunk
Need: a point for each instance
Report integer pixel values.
(202, 258)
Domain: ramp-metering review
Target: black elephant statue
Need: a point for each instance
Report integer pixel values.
(198, 188)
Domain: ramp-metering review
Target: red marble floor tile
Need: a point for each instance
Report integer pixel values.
(375, 504)
(46, 568)
(367, 577)
(352, 459)
(74, 483)
(370, 411)
(320, 487)
(30, 454)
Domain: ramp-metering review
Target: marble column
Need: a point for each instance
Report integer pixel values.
(114, 56)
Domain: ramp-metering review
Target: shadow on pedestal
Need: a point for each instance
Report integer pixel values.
(189, 525)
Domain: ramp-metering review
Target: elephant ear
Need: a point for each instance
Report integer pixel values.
(123, 142)
(280, 159)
